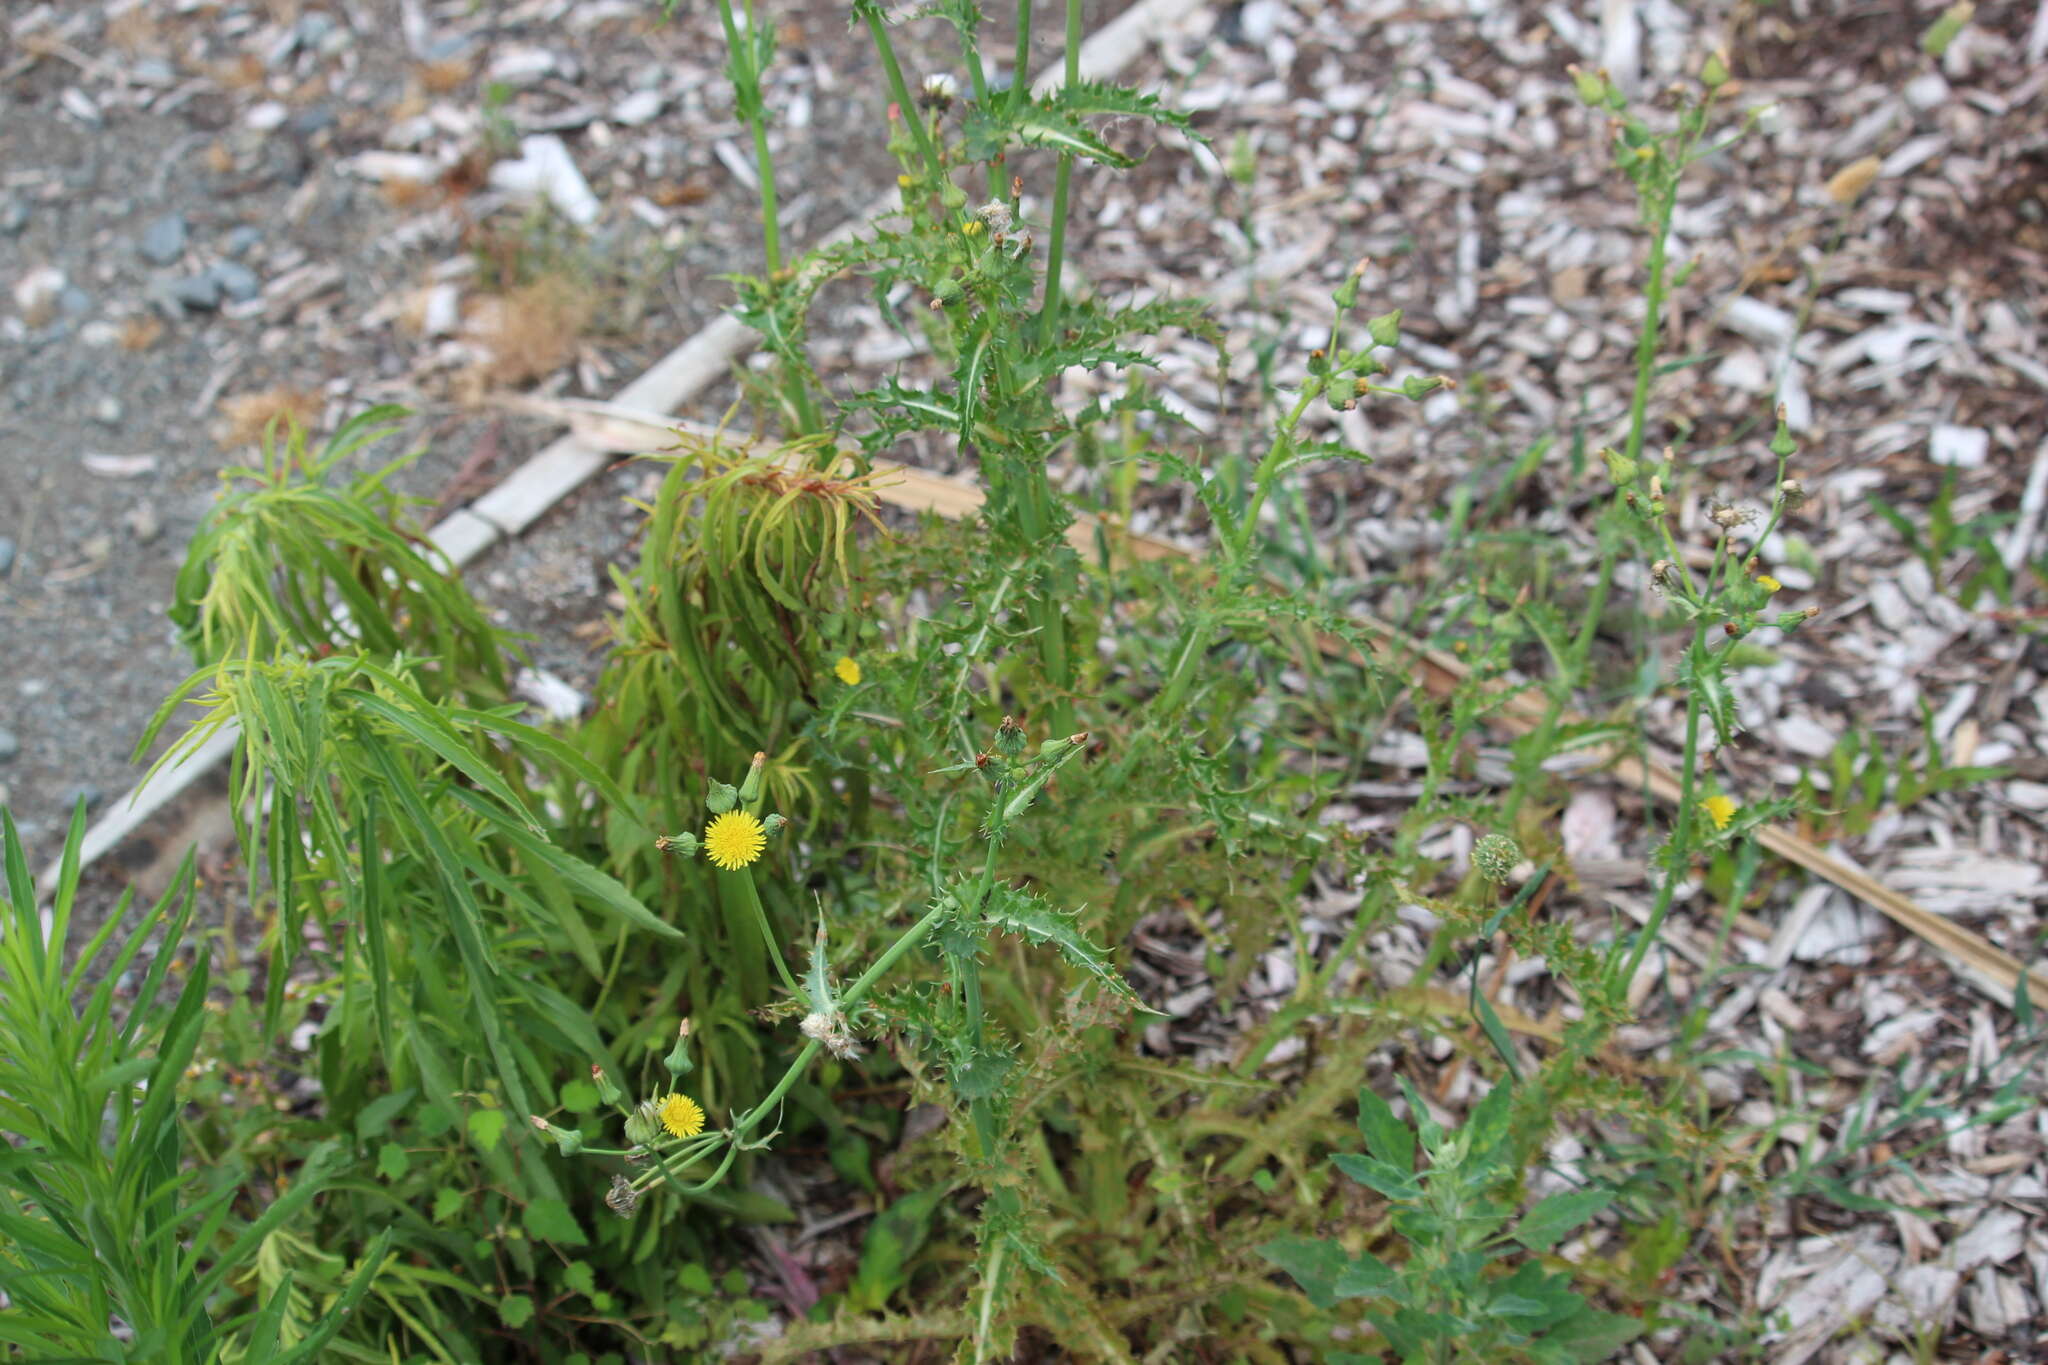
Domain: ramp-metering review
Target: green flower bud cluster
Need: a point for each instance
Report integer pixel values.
(1495, 857)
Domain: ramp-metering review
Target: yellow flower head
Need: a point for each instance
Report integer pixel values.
(1768, 583)
(848, 670)
(682, 1115)
(1720, 809)
(734, 839)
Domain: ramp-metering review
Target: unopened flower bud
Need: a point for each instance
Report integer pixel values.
(750, 785)
(1793, 492)
(773, 824)
(678, 1059)
(1714, 71)
(643, 1125)
(684, 844)
(1620, 468)
(1010, 738)
(607, 1088)
(568, 1141)
(721, 797)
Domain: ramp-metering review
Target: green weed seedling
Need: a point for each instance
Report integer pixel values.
(1860, 779)
(1943, 541)
(1454, 1296)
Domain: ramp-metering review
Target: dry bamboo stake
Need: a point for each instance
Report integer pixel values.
(1990, 969)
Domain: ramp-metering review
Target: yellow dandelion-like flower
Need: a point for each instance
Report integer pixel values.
(1768, 583)
(1720, 809)
(848, 670)
(734, 839)
(682, 1115)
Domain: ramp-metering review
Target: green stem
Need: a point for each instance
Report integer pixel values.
(1238, 551)
(1681, 834)
(1020, 65)
(1056, 252)
(853, 996)
(741, 885)
(878, 29)
(988, 1299)
(746, 78)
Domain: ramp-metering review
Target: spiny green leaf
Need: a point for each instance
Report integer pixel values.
(1011, 911)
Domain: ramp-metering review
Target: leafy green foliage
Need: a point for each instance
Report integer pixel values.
(103, 1217)
(1453, 1297)
(295, 559)
(1942, 540)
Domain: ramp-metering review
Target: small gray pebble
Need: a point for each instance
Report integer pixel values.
(108, 411)
(244, 240)
(315, 26)
(163, 241)
(13, 214)
(197, 291)
(153, 71)
(6, 555)
(9, 745)
(310, 121)
(446, 48)
(75, 301)
(86, 792)
(236, 280)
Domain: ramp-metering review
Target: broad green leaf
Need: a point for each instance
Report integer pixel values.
(1547, 1223)
(1389, 1179)
(376, 1116)
(893, 1238)
(1593, 1336)
(487, 1126)
(551, 1220)
(1314, 1264)
(1385, 1135)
